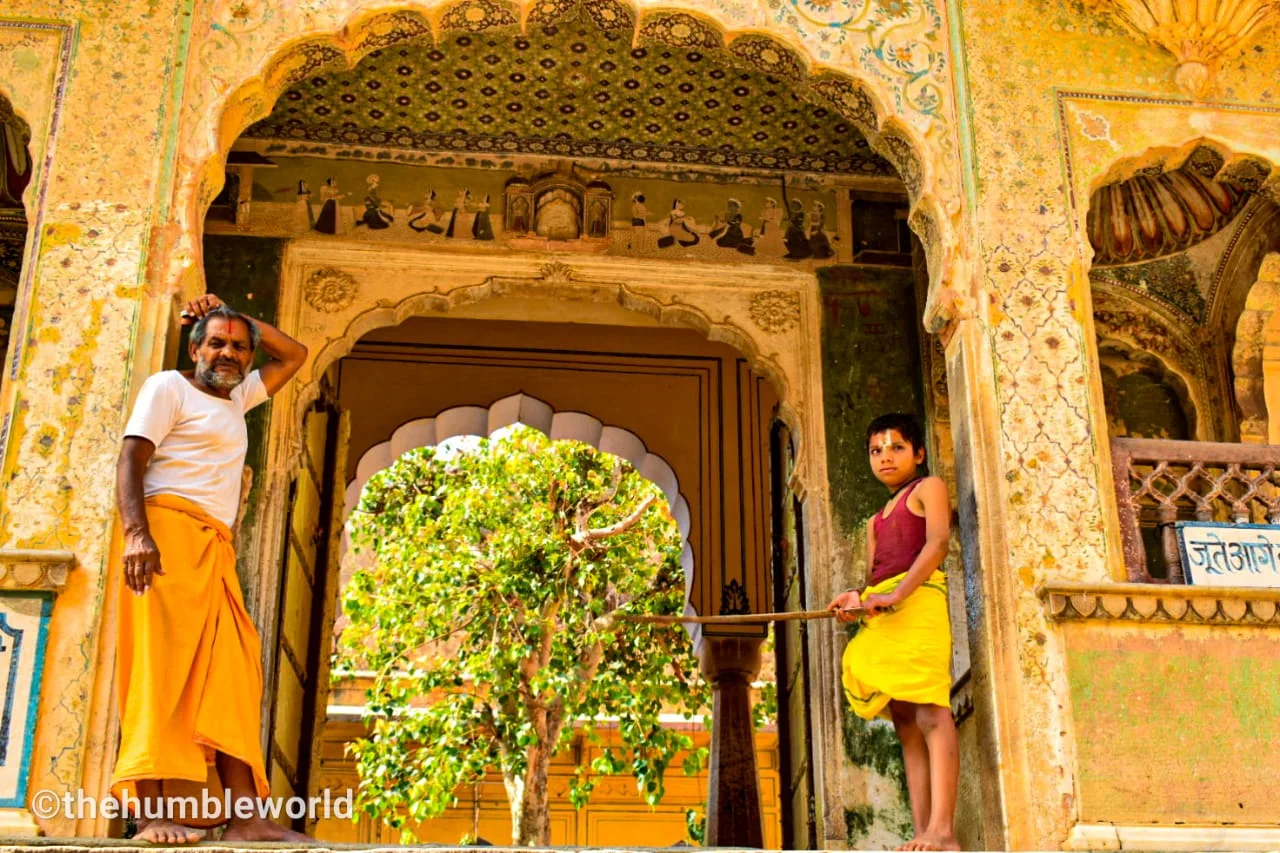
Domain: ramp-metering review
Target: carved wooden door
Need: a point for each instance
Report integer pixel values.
(298, 689)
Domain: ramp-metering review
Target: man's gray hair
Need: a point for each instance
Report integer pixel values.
(201, 328)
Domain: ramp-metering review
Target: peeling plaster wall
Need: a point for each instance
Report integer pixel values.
(1174, 702)
(1054, 94)
(870, 366)
(95, 82)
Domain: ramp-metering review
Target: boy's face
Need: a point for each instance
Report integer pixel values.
(893, 460)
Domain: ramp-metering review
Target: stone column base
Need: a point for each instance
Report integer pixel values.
(1107, 836)
(18, 822)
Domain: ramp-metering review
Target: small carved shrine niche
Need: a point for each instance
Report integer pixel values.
(558, 206)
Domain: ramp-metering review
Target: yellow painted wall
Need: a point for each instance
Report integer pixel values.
(616, 816)
(1175, 724)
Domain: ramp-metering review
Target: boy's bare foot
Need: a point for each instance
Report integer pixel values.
(932, 841)
(162, 831)
(261, 829)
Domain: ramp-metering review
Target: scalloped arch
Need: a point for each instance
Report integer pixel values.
(483, 422)
(1135, 323)
(11, 114)
(374, 25)
(1242, 166)
(1165, 372)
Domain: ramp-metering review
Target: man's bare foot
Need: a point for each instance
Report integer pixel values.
(161, 831)
(261, 829)
(931, 841)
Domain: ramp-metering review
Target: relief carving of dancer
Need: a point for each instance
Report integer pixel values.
(481, 225)
(819, 242)
(769, 238)
(461, 206)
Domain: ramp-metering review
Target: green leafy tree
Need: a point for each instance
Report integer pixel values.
(489, 617)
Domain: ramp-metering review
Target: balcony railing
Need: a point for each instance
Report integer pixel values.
(1160, 482)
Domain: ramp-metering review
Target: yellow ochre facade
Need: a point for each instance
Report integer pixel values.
(714, 237)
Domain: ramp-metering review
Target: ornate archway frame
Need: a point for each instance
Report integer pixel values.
(1255, 360)
(35, 97)
(245, 59)
(333, 292)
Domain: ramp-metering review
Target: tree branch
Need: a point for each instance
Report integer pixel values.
(597, 533)
(586, 509)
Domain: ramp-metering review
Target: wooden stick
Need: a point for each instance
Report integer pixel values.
(737, 619)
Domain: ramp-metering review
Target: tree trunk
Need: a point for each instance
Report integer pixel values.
(527, 796)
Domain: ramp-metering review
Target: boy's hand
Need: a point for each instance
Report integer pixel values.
(847, 606)
(877, 603)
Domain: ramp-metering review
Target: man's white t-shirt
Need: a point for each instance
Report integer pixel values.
(200, 440)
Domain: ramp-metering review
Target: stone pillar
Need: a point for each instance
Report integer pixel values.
(733, 801)
(88, 328)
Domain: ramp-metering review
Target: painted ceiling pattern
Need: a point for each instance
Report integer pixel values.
(1170, 280)
(588, 85)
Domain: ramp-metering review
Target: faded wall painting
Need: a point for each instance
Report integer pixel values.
(561, 209)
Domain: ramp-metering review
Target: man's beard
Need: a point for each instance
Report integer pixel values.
(222, 380)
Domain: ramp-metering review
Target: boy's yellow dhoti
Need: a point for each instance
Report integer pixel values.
(188, 668)
(904, 654)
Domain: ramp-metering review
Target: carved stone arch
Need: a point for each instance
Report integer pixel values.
(771, 316)
(486, 421)
(278, 55)
(1203, 184)
(1255, 360)
(1250, 182)
(1119, 360)
(1146, 333)
(671, 314)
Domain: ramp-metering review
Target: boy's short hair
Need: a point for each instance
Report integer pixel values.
(906, 425)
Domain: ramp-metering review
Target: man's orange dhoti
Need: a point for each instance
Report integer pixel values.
(187, 658)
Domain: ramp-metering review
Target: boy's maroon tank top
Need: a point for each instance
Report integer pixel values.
(899, 539)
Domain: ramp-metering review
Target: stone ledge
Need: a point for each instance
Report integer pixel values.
(1161, 603)
(117, 845)
(1107, 836)
(35, 569)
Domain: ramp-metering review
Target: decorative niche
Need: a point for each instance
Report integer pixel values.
(558, 206)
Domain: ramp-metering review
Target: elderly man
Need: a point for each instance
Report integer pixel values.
(190, 677)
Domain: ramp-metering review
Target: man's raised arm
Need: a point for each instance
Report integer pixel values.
(287, 356)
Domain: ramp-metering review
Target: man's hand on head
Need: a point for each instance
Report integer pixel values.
(198, 307)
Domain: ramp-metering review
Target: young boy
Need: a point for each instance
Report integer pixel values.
(899, 664)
